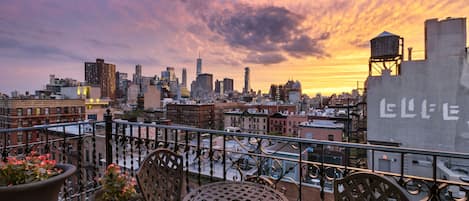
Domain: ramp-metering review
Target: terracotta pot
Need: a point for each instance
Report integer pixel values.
(47, 190)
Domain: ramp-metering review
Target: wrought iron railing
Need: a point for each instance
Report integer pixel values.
(303, 168)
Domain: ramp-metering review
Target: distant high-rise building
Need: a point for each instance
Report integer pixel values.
(205, 81)
(199, 66)
(91, 74)
(137, 78)
(103, 75)
(168, 74)
(184, 78)
(247, 85)
(202, 87)
(219, 87)
(122, 83)
(228, 85)
(172, 74)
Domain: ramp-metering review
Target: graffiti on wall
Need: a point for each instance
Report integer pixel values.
(408, 108)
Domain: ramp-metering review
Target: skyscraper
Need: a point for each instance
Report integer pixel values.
(219, 87)
(137, 78)
(184, 78)
(169, 74)
(199, 66)
(228, 85)
(247, 85)
(91, 74)
(205, 82)
(103, 75)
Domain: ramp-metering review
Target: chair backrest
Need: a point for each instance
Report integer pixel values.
(368, 187)
(160, 176)
(260, 180)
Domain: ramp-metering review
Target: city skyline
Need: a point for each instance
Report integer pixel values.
(325, 45)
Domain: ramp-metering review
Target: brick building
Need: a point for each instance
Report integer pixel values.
(103, 75)
(293, 123)
(322, 130)
(286, 108)
(197, 115)
(278, 123)
(250, 121)
(16, 113)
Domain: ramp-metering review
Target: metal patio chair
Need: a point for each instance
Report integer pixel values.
(160, 176)
(368, 187)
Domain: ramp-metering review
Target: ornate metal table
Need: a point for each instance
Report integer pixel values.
(234, 191)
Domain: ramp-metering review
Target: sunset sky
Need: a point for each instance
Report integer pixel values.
(322, 43)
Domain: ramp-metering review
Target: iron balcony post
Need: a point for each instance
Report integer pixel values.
(108, 120)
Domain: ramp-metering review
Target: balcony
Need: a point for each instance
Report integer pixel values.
(304, 169)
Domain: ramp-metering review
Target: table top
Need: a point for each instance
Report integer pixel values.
(234, 191)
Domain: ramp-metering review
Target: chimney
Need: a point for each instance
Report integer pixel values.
(410, 53)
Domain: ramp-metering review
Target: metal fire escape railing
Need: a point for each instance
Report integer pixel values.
(304, 167)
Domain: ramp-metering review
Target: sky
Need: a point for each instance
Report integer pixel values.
(324, 43)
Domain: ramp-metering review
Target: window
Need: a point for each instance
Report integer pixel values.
(330, 137)
(46, 111)
(20, 123)
(30, 136)
(65, 110)
(58, 110)
(19, 111)
(19, 137)
(38, 111)
(29, 111)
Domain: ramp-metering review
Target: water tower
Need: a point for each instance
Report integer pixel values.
(387, 53)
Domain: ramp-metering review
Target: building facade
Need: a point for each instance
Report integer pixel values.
(321, 130)
(103, 75)
(184, 78)
(228, 85)
(17, 113)
(293, 123)
(278, 124)
(199, 66)
(197, 115)
(247, 81)
(425, 106)
(250, 121)
(219, 88)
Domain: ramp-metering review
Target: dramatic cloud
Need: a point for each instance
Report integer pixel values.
(22, 49)
(266, 29)
(306, 46)
(99, 43)
(324, 44)
(268, 58)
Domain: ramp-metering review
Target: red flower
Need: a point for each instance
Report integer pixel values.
(33, 167)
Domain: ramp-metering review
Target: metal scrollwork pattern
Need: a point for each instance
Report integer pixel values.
(368, 187)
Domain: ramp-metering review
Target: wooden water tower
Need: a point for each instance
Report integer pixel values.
(387, 53)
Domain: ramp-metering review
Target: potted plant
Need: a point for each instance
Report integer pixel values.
(116, 186)
(34, 177)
